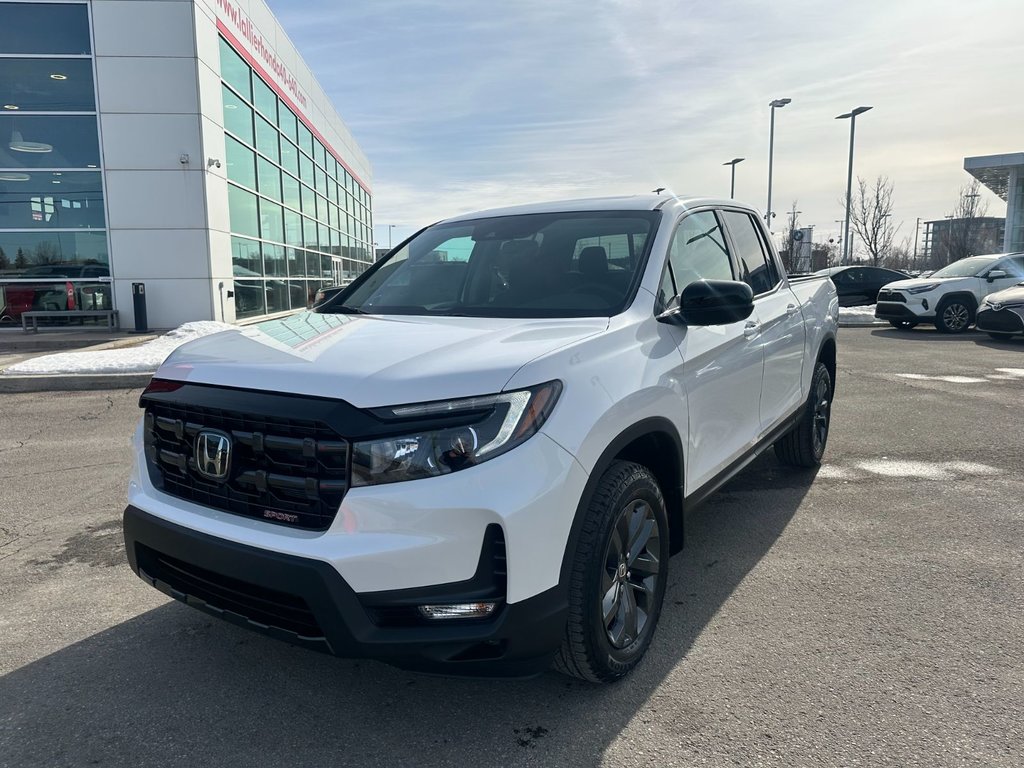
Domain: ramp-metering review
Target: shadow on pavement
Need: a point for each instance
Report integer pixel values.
(172, 686)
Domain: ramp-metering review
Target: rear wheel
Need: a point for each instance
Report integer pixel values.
(619, 573)
(954, 316)
(905, 325)
(804, 445)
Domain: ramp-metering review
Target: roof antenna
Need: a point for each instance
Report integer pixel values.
(659, 190)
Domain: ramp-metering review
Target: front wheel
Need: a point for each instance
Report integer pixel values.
(954, 316)
(903, 325)
(619, 573)
(804, 445)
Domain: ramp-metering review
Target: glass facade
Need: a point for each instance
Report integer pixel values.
(51, 191)
(299, 219)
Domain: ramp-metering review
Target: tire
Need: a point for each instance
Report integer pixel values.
(1000, 336)
(804, 445)
(904, 325)
(954, 316)
(608, 576)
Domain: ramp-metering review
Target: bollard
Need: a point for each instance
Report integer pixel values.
(139, 304)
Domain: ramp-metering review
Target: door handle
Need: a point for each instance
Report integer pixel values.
(751, 328)
(792, 309)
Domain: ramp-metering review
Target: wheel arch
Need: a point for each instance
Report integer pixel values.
(655, 443)
(827, 355)
(969, 298)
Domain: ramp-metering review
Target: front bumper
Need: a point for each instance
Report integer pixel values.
(308, 603)
(891, 310)
(1004, 320)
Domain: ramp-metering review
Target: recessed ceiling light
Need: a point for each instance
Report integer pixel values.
(226, 106)
(58, 76)
(10, 106)
(90, 166)
(11, 176)
(55, 182)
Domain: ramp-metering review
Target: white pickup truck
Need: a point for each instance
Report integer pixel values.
(477, 457)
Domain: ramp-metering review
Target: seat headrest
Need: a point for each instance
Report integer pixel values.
(594, 260)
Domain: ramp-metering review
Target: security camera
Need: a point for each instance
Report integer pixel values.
(183, 159)
(213, 163)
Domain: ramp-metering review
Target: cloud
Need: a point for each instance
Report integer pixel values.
(463, 105)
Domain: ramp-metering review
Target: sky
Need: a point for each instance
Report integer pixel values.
(463, 105)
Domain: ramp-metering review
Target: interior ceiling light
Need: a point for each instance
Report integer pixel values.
(18, 144)
(10, 106)
(58, 76)
(11, 176)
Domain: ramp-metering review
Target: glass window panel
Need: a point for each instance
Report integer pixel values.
(264, 99)
(249, 298)
(306, 169)
(234, 70)
(312, 263)
(237, 116)
(320, 154)
(308, 201)
(290, 190)
(273, 260)
(245, 258)
(277, 295)
(323, 233)
(48, 141)
(335, 241)
(289, 157)
(321, 181)
(266, 139)
(292, 228)
(321, 208)
(241, 163)
(47, 85)
(44, 28)
(332, 217)
(309, 238)
(286, 121)
(242, 211)
(22, 250)
(325, 266)
(270, 179)
(755, 269)
(298, 292)
(61, 200)
(305, 140)
(296, 261)
(271, 221)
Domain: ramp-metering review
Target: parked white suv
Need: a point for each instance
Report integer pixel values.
(476, 458)
(949, 297)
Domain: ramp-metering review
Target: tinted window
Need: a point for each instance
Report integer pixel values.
(234, 70)
(698, 252)
(44, 28)
(48, 141)
(241, 163)
(52, 200)
(47, 85)
(25, 249)
(750, 256)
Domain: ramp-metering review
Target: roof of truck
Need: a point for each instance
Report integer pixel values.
(646, 202)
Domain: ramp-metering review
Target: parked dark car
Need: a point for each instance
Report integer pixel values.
(859, 285)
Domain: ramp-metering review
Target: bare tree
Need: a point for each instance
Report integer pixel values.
(958, 239)
(901, 256)
(871, 217)
(788, 254)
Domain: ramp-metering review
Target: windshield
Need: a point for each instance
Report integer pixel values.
(580, 264)
(965, 267)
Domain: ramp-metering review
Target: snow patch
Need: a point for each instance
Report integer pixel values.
(145, 358)
(926, 470)
(949, 379)
(1015, 372)
(859, 316)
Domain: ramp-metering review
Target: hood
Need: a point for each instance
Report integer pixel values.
(914, 282)
(375, 360)
(1012, 295)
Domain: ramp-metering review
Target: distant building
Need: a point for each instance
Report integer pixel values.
(946, 240)
(1004, 175)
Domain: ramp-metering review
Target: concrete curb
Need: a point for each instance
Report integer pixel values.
(73, 382)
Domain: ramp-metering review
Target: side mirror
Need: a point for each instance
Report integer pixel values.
(711, 302)
(995, 274)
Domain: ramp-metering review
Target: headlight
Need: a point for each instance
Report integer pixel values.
(456, 434)
(921, 288)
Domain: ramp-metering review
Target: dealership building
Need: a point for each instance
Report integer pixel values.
(182, 144)
(1004, 176)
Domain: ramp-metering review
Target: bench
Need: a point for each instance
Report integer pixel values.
(33, 316)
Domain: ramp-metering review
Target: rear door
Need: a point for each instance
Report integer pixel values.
(780, 325)
(721, 364)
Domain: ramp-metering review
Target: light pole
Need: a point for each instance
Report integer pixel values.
(732, 186)
(390, 228)
(917, 230)
(774, 104)
(852, 115)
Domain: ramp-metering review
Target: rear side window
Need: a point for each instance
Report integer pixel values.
(698, 252)
(756, 270)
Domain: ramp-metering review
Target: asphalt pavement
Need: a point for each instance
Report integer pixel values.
(868, 615)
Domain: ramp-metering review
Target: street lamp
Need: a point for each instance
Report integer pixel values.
(852, 115)
(774, 104)
(390, 228)
(732, 186)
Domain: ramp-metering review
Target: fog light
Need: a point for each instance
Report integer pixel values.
(458, 610)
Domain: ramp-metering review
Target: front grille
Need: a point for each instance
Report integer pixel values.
(884, 295)
(283, 470)
(257, 605)
(1003, 320)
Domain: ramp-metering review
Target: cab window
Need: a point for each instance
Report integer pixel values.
(698, 252)
(756, 268)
